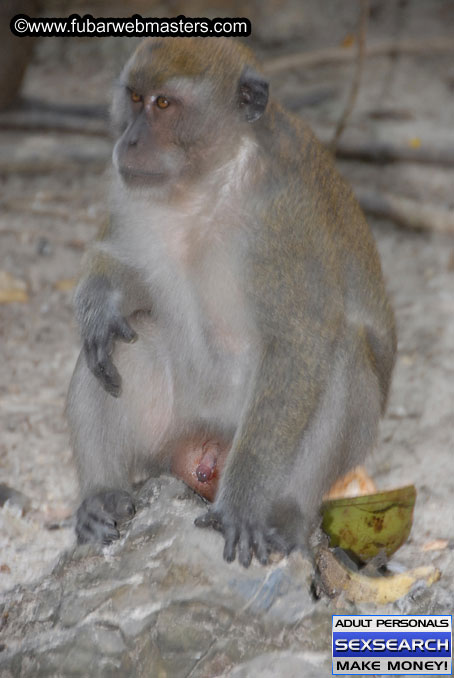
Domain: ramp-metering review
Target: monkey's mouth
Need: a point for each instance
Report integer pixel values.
(133, 175)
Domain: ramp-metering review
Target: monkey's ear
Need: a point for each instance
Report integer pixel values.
(252, 94)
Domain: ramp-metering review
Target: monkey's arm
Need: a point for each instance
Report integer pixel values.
(255, 498)
(108, 292)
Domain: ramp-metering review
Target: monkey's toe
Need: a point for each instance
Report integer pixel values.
(260, 547)
(91, 528)
(119, 503)
(231, 540)
(245, 538)
(98, 516)
(278, 543)
(245, 548)
(209, 519)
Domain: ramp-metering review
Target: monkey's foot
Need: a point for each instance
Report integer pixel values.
(98, 516)
(251, 539)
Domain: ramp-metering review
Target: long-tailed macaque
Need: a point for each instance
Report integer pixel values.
(234, 318)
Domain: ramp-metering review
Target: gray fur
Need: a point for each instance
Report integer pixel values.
(253, 284)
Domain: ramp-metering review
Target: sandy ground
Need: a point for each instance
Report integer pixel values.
(47, 219)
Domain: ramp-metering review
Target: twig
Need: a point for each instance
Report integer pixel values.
(406, 212)
(361, 40)
(39, 210)
(386, 152)
(201, 659)
(51, 121)
(300, 60)
(36, 154)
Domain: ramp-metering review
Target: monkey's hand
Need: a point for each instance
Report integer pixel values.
(98, 516)
(250, 536)
(101, 323)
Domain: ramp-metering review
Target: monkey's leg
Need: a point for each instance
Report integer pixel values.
(301, 431)
(113, 438)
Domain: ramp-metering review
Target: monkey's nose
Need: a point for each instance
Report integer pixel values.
(149, 103)
(133, 141)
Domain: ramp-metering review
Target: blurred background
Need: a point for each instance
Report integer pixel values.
(392, 106)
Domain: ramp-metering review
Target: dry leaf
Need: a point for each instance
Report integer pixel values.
(436, 545)
(337, 578)
(12, 289)
(354, 484)
(348, 41)
(65, 285)
(76, 244)
(414, 142)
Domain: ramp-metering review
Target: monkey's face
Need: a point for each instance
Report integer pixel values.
(182, 103)
(148, 151)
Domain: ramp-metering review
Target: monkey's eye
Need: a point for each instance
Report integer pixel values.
(162, 102)
(135, 97)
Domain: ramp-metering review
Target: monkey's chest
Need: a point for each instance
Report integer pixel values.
(200, 307)
(213, 353)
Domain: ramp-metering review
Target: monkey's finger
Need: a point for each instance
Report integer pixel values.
(125, 508)
(101, 517)
(277, 542)
(91, 354)
(231, 540)
(118, 503)
(209, 519)
(124, 331)
(102, 367)
(109, 536)
(260, 547)
(107, 373)
(94, 530)
(98, 533)
(245, 547)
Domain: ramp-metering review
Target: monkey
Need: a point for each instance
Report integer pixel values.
(234, 300)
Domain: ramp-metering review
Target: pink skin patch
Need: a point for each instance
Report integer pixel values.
(205, 470)
(199, 464)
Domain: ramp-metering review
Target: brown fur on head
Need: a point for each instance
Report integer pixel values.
(177, 95)
(219, 60)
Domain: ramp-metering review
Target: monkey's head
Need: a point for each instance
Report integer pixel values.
(181, 103)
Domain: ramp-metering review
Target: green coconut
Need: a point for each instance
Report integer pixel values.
(366, 525)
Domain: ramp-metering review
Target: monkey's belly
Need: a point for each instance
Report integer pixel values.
(199, 464)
